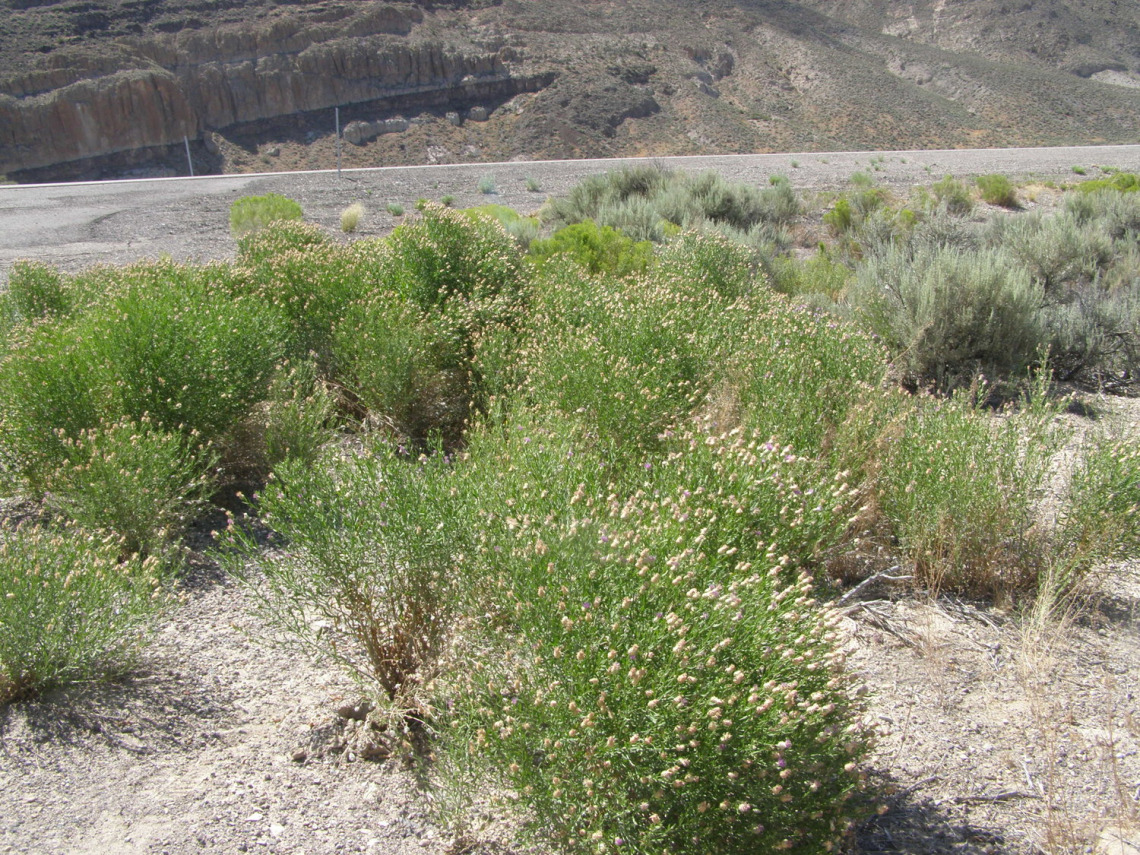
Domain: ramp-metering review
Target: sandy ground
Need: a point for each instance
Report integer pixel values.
(994, 737)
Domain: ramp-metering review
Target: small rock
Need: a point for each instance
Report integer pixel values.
(254, 817)
(375, 750)
(276, 829)
(453, 117)
(477, 114)
(355, 712)
(299, 756)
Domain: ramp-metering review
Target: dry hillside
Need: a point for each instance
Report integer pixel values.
(96, 88)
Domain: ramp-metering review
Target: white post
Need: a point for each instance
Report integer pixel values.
(189, 162)
(337, 142)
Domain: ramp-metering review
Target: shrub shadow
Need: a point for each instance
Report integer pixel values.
(918, 825)
(143, 713)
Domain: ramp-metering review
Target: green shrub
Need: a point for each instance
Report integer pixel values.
(403, 369)
(297, 415)
(47, 387)
(1094, 336)
(638, 218)
(252, 213)
(586, 198)
(1122, 182)
(1114, 214)
(523, 229)
(997, 190)
(942, 230)
(665, 682)
(795, 373)
(169, 344)
(183, 351)
(533, 185)
(487, 185)
(1100, 520)
(1059, 252)
(779, 202)
(946, 314)
(820, 274)
(35, 291)
(880, 228)
(371, 578)
(310, 288)
(630, 357)
(959, 487)
(70, 611)
(646, 202)
(448, 254)
(953, 195)
(138, 483)
(597, 249)
(350, 217)
(700, 263)
(852, 210)
(395, 209)
(841, 218)
(406, 351)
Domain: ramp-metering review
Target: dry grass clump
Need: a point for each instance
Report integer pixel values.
(350, 217)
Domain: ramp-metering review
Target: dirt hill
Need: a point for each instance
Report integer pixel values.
(95, 88)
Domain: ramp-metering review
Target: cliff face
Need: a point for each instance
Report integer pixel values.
(91, 87)
(193, 81)
(127, 110)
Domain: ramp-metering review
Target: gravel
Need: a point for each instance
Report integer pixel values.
(79, 225)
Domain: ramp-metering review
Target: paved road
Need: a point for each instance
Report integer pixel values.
(78, 225)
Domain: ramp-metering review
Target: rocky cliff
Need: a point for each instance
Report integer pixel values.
(88, 85)
(158, 89)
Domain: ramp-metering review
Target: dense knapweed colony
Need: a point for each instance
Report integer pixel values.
(565, 503)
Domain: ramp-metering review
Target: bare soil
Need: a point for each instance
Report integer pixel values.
(996, 734)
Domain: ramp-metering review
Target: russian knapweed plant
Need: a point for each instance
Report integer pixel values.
(70, 609)
(667, 681)
(367, 575)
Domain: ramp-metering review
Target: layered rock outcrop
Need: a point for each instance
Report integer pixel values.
(128, 110)
(187, 83)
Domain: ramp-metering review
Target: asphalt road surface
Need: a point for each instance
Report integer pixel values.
(79, 225)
